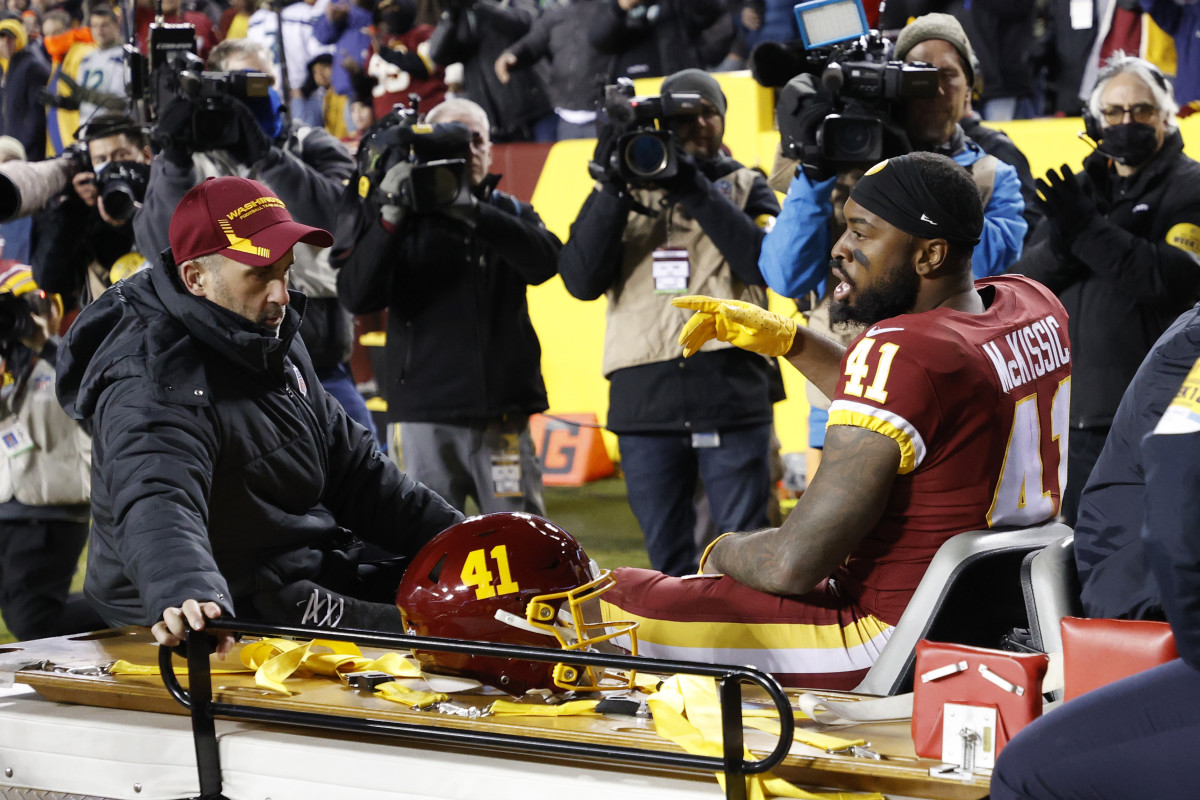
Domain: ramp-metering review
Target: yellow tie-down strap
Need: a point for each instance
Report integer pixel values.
(687, 712)
(685, 708)
(273, 661)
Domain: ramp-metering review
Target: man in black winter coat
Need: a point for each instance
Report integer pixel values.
(1121, 249)
(463, 362)
(224, 478)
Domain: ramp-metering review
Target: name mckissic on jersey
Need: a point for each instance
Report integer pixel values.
(1028, 353)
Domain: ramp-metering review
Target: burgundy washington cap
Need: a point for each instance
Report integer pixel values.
(240, 219)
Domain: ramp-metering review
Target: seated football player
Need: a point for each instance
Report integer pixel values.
(948, 415)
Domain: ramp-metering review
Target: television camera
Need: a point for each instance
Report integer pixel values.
(173, 69)
(439, 154)
(839, 105)
(643, 152)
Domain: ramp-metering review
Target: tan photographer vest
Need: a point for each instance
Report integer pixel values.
(643, 326)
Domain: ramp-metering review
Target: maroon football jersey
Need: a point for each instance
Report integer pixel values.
(978, 404)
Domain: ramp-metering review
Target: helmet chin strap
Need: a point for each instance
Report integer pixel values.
(509, 618)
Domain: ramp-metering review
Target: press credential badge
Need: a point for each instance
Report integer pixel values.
(15, 438)
(671, 270)
(506, 468)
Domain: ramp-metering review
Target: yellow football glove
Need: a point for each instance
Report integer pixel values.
(739, 323)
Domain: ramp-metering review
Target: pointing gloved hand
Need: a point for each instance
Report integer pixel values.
(1069, 208)
(739, 323)
(392, 212)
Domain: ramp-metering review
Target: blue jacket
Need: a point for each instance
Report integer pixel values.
(1182, 22)
(353, 42)
(795, 255)
(1109, 552)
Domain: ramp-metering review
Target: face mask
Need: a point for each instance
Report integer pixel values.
(1131, 143)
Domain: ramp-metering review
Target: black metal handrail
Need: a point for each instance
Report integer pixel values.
(198, 699)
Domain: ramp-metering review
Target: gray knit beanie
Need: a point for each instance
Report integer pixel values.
(938, 26)
(698, 81)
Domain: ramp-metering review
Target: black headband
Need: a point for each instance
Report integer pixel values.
(895, 191)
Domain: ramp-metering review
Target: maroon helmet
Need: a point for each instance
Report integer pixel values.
(512, 578)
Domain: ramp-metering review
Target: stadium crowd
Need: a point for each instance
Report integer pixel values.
(535, 66)
(216, 230)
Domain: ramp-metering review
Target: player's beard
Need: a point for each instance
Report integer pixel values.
(893, 295)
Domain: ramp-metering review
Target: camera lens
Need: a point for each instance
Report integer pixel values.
(445, 185)
(646, 155)
(118, 200)
(852, 139)
(122, 185)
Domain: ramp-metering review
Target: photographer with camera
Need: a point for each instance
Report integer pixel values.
(672, 215)
(917, 116)
(83, 239)
(45, 467)
(224, 132)
(463, 360)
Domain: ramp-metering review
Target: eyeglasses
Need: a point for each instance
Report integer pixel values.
(1141, 112)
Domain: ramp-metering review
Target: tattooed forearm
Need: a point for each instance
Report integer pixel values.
(845, 500)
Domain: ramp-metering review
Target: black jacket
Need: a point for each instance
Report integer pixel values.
(1002, 34)
(460, 345)
(576, 67)
(654, 38)
(1109, 551)
(1121, 282)
(1169, 536)
(476, 37)
(220, 467)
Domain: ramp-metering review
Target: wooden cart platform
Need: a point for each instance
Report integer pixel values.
(74, 670)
